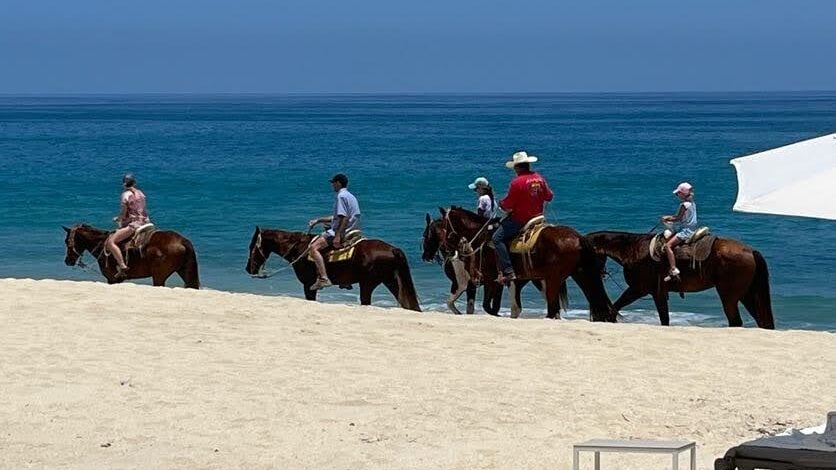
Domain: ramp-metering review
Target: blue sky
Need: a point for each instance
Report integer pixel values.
(113, 46)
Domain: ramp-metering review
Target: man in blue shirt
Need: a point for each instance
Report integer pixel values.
(346, 217)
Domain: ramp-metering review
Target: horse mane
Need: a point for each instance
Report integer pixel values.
(277, 231)
(627, 244)
(472, 215)
(301, 239)
(90, 228)
(621, 236)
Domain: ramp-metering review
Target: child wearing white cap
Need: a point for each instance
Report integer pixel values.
(686, 217)
(485, 204)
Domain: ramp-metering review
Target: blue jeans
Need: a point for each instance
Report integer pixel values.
(507, 230)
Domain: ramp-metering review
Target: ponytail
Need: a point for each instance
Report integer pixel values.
(489, 192)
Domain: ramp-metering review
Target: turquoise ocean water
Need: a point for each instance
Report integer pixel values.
(214, 167)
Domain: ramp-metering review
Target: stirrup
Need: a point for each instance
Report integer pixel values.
(121, 273)
(673, 274)
(506, 278)
(321, 284)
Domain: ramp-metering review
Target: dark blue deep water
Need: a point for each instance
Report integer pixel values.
(213, 167)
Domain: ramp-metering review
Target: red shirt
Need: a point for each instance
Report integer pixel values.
(526, 197)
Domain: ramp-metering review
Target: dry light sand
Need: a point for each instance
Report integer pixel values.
(97, 376)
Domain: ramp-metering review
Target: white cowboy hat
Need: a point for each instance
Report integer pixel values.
(480, 182)
(520, 157)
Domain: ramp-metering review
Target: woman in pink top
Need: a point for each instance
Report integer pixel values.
(131, 216)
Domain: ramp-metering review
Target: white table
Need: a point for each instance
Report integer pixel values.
(640, 446)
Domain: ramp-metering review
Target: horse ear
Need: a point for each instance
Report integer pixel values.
(257, 229)
(443, 211)
(65, 229)
(429, 219)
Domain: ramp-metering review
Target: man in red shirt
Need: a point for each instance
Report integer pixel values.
(526, 197)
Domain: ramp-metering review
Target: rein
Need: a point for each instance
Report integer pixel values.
(79, 263)
(261, 274)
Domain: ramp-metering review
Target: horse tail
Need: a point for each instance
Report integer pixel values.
(189, 271)
(563, 298)
(407, 296)
(757, 298)
(588, 276)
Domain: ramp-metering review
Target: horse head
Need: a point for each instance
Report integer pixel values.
(432, 240)
(80, 238)
(257, 254)
(288, 245)
(72, 256)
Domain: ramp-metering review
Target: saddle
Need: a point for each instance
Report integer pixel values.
(694, 250)
(141, 237)
(345, 252)
(527, 239)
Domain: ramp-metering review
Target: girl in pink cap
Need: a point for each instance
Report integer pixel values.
(686, 219)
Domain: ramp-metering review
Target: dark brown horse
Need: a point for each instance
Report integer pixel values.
(436, 249)
(560, 253)
(738, 272)
(374, 262)
(165, 253)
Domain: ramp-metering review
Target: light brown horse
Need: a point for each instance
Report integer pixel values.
(560, 253)
(165, 253)
(738, 272)
(374, 262)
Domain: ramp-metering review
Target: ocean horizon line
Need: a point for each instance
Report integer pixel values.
(409, 93)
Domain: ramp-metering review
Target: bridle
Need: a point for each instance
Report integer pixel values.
(71, 245)
(258, 247)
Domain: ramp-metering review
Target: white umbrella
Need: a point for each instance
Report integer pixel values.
(797, 179)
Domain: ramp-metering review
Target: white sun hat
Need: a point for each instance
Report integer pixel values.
(480, 182)
(520, 157)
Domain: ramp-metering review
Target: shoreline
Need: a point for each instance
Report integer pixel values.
(128, 375)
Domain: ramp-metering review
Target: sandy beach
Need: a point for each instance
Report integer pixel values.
(129, 376)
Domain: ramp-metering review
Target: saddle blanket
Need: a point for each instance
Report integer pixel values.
(345, 253)
(525, 242)
(342, 254)
(699, 251)
(142, 235)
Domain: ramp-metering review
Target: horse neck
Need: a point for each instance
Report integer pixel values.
(289, 250)
(465, 223)
(620, 246)
(92, 240)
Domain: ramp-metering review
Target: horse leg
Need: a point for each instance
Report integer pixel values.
(552, 291)
(471, 298)
(456, 291)
(158, 279)
(492, 300)
(310, 294)
(518, 292)
(729, 299)
(660, 298)
(627, 297)
(513, 293)
(366, 289)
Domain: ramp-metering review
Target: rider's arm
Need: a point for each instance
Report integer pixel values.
(319, 220)
(549, 195)
(123, 210)
(341, 222)
(507, 204)
(677, 217)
